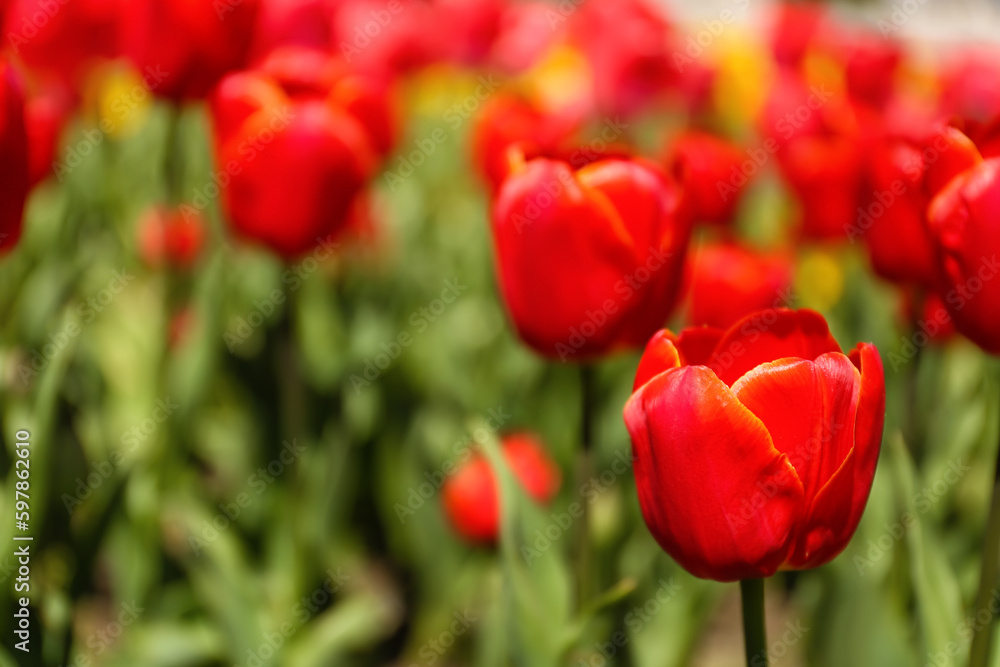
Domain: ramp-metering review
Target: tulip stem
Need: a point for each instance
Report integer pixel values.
(754, 635)
(584, 474)
(982, 638)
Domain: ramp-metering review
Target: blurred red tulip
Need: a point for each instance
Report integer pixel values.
(969, 85)
(189, 44)
(871, 62)
(471, 496)
(756, 453)
(13, 156)
(962, 219)
(62, 39)
(171, 237)
(633, 63)
(589, 261)
(507, 121)
(471, 27)
(795, 26)
(386, 38)
(525, 34)
(294, 163)
(904, 173)
(730, 281)
(819, 140)
(45, 116)
(710, 170)
(300, 23)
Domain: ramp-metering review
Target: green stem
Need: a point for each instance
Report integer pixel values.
(982, 637)
(584, 474)
(754, 635)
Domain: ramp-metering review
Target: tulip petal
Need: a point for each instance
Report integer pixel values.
(714, 491)
(696, 344)
(838, 506)
(769, 335)
(660, 355)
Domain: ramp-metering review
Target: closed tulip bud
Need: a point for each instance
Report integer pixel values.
(171, 237)
(506, 121)
(183, 48)
(730, 281)
(45, 116)
(13, 156)
(755, 447)
(295, 163)
(589, 261)
(471, 496)
(707, 165)
(962, 220)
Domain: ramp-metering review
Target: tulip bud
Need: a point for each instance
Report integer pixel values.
(755, 447)
(471, 497)
(730, 281)
(295, 161)
(589, 261)
(172, 237)
(962, 220)
(14, 156)
(183, 48)
(709, 168)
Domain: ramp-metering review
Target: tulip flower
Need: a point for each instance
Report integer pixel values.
(795, 26)
(171, 237)
(755, 447)
(471, 497)
(45, 115)
(13, 157)
(189, 44)
(62, 40)
(589, 261)
(730, 281)
(962, 221)
(507, 121)
(295, 160)
(711, 173)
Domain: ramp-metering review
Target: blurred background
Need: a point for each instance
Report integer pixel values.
(237, 453)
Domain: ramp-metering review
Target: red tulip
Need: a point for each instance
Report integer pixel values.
(172, 237)
(300, 23)
(526, 33)
(471, 497)
(589, 261)
(870, 64)
(13, 157)
(62, 39)
(795, 27)
(968, 86)
(386, 38)
(190, 44)
(904, 173)
(296, 161)
(755, 447)
(507, 121)
(45, 115)
(709, 165)
(730, 281)
(632, 64)
(962, 219)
